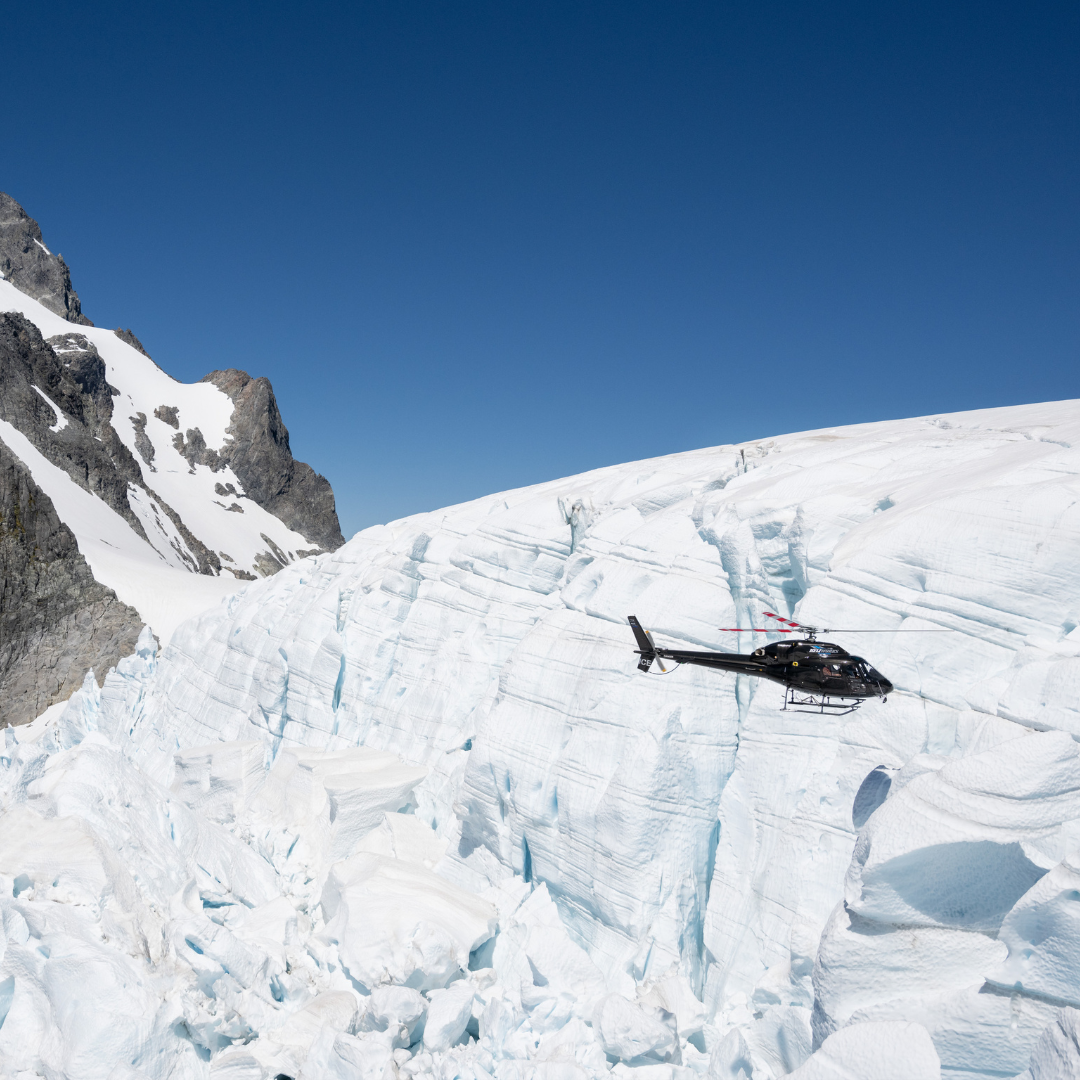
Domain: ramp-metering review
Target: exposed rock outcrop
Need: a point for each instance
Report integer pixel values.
(142, 440)
(56, 621)
(29, 265)
(168, 414)
(191, 446)
(129, 338)
(259, 454)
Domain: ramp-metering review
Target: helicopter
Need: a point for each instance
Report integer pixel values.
(817, 676)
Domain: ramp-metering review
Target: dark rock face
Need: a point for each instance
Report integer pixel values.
(28, 264)
(56, 621)
(73, 378)
(259, 454)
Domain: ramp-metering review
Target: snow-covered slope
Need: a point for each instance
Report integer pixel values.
(139, 569)
(678, 875)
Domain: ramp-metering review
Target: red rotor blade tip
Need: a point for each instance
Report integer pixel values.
(780, 618)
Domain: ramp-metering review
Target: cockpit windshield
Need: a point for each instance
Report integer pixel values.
(861, 668)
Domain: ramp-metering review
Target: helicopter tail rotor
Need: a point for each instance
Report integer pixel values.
(646, 649)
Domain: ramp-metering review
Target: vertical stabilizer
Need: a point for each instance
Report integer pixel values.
(646, 648)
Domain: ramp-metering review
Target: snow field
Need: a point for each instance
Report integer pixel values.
(419, 784)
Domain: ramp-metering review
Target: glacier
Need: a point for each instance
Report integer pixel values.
(409, 809)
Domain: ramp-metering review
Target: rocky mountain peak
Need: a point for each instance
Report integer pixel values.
(31, 267)
(260, 456)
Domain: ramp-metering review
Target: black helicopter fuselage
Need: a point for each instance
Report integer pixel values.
(813, 667)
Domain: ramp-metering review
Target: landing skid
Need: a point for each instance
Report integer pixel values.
(818, 703)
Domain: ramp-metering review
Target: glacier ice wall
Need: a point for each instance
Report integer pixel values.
(678, 830)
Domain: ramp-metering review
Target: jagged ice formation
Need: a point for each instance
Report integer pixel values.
(409, 808)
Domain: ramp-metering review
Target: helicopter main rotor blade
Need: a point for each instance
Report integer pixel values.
(813, 631)
(787, 622)
(838, 630)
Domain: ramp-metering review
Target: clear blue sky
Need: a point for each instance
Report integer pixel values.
(479, 245)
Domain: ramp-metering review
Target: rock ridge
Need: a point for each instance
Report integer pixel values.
(28, 264)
